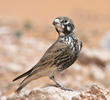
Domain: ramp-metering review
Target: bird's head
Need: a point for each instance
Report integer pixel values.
(64, 25)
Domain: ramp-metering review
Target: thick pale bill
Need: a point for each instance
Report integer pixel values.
(57, 21)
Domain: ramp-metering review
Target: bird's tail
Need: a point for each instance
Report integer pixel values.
(27, 80)
(23, 75)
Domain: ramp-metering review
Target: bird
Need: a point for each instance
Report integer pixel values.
(58, 57)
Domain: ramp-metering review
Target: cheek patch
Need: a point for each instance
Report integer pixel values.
(63, 26)
(68, 28)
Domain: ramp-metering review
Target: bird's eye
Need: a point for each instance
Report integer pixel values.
(65, 21)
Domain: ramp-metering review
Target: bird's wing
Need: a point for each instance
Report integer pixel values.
(49, 57)
(46, 60)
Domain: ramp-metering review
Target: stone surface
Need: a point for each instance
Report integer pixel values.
(106, 41)
(93, 92)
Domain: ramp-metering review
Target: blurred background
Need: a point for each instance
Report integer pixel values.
(26, 31)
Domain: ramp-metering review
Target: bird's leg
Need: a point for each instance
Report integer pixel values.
(58, 85)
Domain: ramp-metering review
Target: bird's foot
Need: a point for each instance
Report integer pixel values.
(63, 88)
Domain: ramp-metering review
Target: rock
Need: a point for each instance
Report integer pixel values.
(94, 56)
(97, 73)
(4, 30)
(106, 41)
(93, 92)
